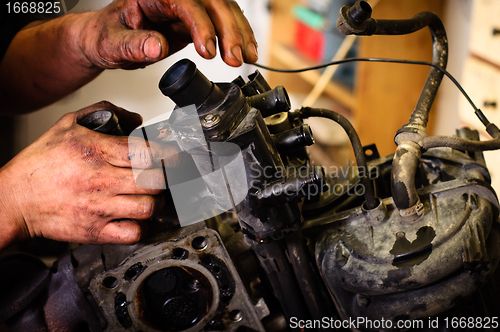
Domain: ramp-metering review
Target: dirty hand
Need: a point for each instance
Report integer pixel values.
(135, 33)
(74, 184)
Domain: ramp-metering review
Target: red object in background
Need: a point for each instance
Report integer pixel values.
(309, 42)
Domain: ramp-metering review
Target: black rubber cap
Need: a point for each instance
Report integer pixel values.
(103, 121)
(186, 85)
(360, 12)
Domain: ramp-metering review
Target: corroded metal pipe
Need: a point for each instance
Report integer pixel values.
(357, 20)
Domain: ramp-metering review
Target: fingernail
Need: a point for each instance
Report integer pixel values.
(210, 46)
(236, 50)
(152, 48)
(252, 49)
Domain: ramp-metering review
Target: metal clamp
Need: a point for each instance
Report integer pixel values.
(413, 212)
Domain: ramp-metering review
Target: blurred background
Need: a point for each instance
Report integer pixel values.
(377, 98)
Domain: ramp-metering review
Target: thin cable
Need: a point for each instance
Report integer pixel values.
(477, 111)
(359, 154)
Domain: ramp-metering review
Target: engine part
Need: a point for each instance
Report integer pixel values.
(270, 208)
(183, 283)
(243, 125)
(356, 20)
(419, 269)
(104, 121)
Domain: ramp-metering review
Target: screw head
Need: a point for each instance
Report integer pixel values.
(210, 121)
(235, 315)
(193, 285)
(200, 243)
(362, 300)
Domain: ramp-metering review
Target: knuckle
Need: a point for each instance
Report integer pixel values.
(104, 104)
(105, 56)
(92, 234)
(127, 49)
(153, 181)
(147, 208)
(249, 35)
(141, 156)
(160, 182)
(90, 155)
(91, 210)
(109, 58)
(234, 5)
(236, 31)
(157, 181)
(67, 116)
(66, 121)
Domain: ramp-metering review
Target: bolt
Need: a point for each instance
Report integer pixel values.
(362, 300)
(110, 282)
(210, 121)
(193, 285)
(360, 12)
(341, 261)
(341, 255)
(235, 315)
(179, 253)
(473, 202)
(200, 243)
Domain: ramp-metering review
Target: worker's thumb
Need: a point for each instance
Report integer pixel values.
(137, 46)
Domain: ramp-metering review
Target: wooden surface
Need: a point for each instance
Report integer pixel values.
(388, 93)
(385, 94)
(485, 32)
(282, 35)
(290, 59)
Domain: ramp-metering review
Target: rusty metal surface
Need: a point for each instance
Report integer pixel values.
(399, 268)
(129, 276)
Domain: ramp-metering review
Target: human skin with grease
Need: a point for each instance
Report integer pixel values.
(75, 184)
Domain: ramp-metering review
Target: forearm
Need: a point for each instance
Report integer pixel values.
(43, 64)
(49, 61)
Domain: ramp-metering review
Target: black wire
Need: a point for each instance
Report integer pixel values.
(477, 111)
(359, 154)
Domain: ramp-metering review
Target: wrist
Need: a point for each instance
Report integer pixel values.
(75, 27)
(12, 226)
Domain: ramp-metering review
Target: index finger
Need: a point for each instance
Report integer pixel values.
(194, 16)
(235, 35)
(136, 152)
(230, 33)
(250, 54)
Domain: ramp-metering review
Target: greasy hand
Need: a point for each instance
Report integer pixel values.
(135, 33)
(74, 184)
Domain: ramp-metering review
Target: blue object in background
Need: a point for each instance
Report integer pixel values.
(322, 15)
